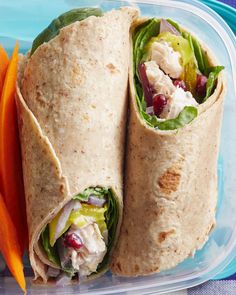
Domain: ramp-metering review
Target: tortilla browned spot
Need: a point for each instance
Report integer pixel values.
(170, 180)
(112, 68)
(164, 235)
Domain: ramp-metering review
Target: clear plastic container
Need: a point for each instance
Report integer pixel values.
(23, 20)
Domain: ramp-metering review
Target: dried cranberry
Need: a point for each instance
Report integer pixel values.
(180, 84)
(73, 241)
(201, 85)
(159, 102)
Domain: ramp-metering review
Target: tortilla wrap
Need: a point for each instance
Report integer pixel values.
(170, 187)
(72, 106)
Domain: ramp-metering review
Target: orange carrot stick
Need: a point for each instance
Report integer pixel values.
(9, 246)
(11, 183)
(4, 61)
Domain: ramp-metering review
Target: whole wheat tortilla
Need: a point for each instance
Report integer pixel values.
(72, 107)
(170, 188)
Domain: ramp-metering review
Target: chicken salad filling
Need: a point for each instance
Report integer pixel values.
(79, 238)
(172, 74)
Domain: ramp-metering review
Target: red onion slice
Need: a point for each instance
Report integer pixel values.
(63, 280)
(72, 205)
(165, 26)
(145, 84)
(94, 200)
(150, 110)
(201, 85)
(53, 272)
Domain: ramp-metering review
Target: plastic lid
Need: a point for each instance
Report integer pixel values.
(228, 14)
(225, 11)
(227, 272)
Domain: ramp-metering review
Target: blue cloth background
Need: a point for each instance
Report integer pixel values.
(229, 2)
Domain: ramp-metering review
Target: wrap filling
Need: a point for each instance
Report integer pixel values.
(78, 239)
(172, 74)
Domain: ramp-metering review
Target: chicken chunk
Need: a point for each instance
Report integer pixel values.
(92, 253)
(160, 82)
(178, 100)
(166, 58)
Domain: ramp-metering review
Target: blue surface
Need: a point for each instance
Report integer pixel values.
(229, 2)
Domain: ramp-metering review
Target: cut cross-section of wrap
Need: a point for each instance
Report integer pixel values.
(71, 101)
(176, 103)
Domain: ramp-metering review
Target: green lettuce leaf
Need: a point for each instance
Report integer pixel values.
(214, 72)
(185, 117)
(97, 191)
(63, 20)
(174, 24)
(111, 217)
(51, 251)
(142, 35)
(200, 54)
